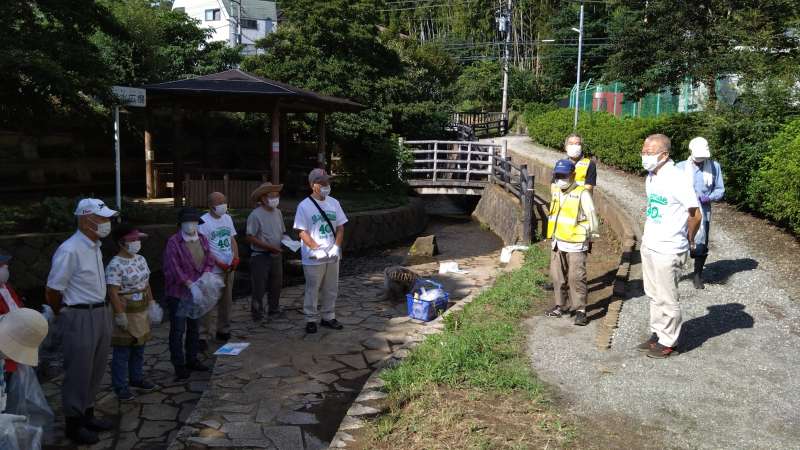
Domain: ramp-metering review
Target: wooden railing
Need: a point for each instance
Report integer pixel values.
(237, 185)
(482, 123)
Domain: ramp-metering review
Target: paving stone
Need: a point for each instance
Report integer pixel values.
(198, 386)
(210, 442)
(285, 438)
(186, 412)
(326, 378)
(360, 410)
(376, 343)
(235, 408)
(237, 397)
(297, 418)
(341, 388)
(185, 397)
(159, 412)
(374, 383)
(305, 388)
(352, 375)
(211, 424)
(313, 442)
(102, 445)
(129, 421)
(281, 372)
(355, 361)
(126, 441)
(154, 429)
(267, 410)
(233, 417)
(173, 390)
(242, 430)
(211, 433)
(351, 423)
(373, 356)
(370, 395)
(398, 320)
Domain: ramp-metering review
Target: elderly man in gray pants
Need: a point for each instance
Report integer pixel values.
(76, 290)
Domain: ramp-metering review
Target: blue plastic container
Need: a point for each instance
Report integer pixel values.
(426, 310)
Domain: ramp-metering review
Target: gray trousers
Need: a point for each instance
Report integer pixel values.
(220, 314)
(661, 273)
(322, 281)
(266, 275)
(86, 340)
(568, 273)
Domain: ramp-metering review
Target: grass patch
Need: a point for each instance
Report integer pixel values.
(471, 386)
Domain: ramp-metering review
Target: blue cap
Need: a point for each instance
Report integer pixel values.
(4, 257)
(564, 167)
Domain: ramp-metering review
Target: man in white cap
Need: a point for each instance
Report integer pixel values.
(320, 221)
(21, 332)
(706, 177)
(76, 290)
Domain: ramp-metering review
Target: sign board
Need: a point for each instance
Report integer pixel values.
(130, 96)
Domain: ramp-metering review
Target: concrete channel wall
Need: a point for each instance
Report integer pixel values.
(501, 212)
(370, 229)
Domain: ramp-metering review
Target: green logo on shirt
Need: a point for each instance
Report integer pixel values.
(654, 202)
(324, 228)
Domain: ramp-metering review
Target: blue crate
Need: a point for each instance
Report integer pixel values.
(426, 310)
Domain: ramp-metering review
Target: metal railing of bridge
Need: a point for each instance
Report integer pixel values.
(459, 167)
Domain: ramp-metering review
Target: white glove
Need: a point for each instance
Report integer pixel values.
(334, 251)
(318, 253)
(197, 293)
(121, 320)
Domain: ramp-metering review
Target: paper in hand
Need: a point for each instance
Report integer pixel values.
(290, 243)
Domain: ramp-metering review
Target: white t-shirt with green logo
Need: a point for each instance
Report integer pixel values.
(669, 196)
(220, 233)
(309, 219)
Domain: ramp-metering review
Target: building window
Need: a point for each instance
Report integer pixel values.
(213, 15)
(250, 24)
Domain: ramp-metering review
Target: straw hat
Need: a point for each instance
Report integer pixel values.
(265, 189)
(21, 332)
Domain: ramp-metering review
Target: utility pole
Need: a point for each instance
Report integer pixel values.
(578, 83)
(239, 22)
(505, 26)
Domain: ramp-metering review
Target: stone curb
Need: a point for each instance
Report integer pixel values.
(369, 401)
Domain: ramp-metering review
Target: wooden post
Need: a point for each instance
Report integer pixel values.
(526, 187)
(275, 160)
(149, 156)
(507, 175)
(177, 150)
(321, 140)
(469, 160)
(283, 164)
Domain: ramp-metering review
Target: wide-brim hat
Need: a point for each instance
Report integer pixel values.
(265, 189)
(21, 332)
(189, 214)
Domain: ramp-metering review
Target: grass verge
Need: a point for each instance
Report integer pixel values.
(471, 386)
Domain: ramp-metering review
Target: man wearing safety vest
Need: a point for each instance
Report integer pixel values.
(571, 225)
(585, 168)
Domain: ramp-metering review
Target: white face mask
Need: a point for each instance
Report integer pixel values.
(220, 210)
(574, 150)
(650, 162)
(189, 228)
(4, 274)
(133, 247)
(563, 184)
(273, 202)
(325, 191)
(103, 229)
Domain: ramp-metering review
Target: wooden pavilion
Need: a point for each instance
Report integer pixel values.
(236, 91)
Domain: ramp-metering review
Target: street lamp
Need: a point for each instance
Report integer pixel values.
(578, 30)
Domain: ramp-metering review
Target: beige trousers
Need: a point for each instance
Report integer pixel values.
(661, 273)
(322, 283)
(568, 274)
(221, 314)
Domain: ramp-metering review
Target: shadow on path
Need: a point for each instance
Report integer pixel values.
(718, 272)
(719, 320)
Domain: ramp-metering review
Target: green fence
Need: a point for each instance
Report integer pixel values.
(609, 98)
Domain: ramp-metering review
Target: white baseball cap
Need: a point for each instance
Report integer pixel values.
(89, 206)
(21, 332)
(699, 148)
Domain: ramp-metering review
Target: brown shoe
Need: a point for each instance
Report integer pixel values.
(648, 344)
(660, 351)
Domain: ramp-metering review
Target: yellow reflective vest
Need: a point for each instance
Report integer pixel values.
(562, 222)
(581, 169)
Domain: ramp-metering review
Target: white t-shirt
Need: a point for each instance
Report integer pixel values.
(220, 233)
(669, 196)
(310, 220)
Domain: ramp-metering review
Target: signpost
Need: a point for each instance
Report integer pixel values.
(126, 96)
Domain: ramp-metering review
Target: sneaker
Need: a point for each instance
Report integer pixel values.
(97, 424)
(555, 312)
(78, 433)
(311, 327)
(648, 344)
(125, 396)
(182, 373)
(581, 319)
(144, 385)
(660, 351)
(197, 366)
(224, 337)
(333, 324)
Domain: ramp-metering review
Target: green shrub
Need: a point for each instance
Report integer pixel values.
(775, 187)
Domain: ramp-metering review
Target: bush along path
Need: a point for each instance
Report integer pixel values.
(734, 383)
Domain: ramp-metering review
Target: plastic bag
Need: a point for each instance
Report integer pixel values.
(206, 291)
(155, 313)
(25, 398)
(17, 434)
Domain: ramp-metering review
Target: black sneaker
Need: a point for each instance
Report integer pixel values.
(659, 351)
(555, 312)
(224, 337)
(78, 433)
(333, 324)
(197, 366)
(96, 423)
(648, 344)
(144, 385)
(311, 327)
(581, 319)
(125, 396)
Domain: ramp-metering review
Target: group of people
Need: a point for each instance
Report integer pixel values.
(677, 225)
(104, 309)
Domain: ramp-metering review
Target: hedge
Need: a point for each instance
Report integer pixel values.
(760, 158)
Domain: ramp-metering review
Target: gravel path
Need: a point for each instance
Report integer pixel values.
(734, 386)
